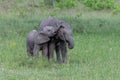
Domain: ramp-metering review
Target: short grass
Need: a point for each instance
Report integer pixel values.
(95, 56)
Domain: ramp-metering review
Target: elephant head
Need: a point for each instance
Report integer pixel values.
(66, 35)
(44, 35)
(48, 31)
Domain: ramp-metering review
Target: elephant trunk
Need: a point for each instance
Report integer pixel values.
(70, 43)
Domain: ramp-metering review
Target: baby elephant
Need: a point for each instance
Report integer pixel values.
(38, 41)
(35, 42)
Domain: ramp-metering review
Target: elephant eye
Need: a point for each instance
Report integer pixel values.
(49, 30)
(55, 32)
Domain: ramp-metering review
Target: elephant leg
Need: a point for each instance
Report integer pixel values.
(36, 50)
(29, 52)
(51, 50)
(57, 49)
(63, 51)
(45, 50)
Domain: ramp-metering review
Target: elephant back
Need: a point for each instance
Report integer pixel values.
(50, 21)
(56, 23)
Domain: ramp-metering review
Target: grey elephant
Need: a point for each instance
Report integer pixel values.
(37, 41)
(60, 40)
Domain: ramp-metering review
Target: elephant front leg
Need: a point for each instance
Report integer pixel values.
(29, 52)
(45, 51)
(36, 50)
(63, 51)
(51, 50)
(57, 49)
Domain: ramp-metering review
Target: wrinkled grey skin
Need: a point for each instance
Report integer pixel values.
(59, 41)
(37, 41)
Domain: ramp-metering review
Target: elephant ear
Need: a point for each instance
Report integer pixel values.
(64, 25)
(61, 33)
(41, 38)
(67, 27)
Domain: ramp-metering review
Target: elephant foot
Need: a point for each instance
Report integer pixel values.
(50, 60)
(30, 54)
(64, 60)
(45, 58)
(59, 60)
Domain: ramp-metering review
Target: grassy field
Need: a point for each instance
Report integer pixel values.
(96, 54)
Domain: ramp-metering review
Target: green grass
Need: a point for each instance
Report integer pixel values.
(95, 56)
